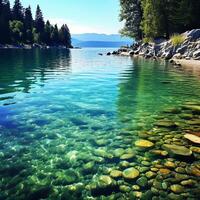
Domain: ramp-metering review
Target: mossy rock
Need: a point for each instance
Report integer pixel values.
(166, 124)
(177, 150)
(143, 181)
(130, 173)
(144, 143)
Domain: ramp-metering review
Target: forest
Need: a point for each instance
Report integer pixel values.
(17, 26)
(150, 19)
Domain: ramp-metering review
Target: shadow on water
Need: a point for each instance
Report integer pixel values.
(21, 71)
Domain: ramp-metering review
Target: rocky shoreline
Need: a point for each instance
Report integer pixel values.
(164, 49)
(32, 46)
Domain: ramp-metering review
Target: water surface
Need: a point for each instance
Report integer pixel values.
(67, 117)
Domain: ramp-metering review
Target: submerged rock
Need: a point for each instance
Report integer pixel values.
(177, 188)
(143, 182)
(130, 173)
(115, 173)
(177, 150)
(166, 124)
(194, 108)
(144, 143)
(192, 138)
(195, 149)
(189, 182)
(118, 152)
(127, 156)
(159, 152)
(102, 185)
(164, 171)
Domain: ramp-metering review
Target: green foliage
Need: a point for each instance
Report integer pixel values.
(147, 40)
(18, 26)
(131, 14)
(159, 18)
(177, 39)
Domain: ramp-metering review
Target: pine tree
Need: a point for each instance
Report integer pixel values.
(65, 36)
(47, 37)
(39, 24)
(17, 11)
(28, 25)
(131, 13)
(5, 15)
(54, 35)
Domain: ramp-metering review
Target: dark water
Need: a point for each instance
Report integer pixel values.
(68, 119)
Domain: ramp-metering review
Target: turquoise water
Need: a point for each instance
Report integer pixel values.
(68, 117)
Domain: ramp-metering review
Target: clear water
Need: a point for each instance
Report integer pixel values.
(62, 109)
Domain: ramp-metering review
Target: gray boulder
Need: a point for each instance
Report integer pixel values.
(196, 54)
(182, 49)
(194, 34)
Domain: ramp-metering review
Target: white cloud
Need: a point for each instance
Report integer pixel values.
(77, 28)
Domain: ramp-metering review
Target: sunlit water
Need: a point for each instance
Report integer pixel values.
(64, 115)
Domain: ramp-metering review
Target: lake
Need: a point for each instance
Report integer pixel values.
(76, 125)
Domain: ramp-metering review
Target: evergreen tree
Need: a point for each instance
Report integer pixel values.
(131, 13)
(17, 11)
(54, 35)
(28, 25)
(39, 24)
(5, 15)
(65, 36)
(18, 27)
(47, 37)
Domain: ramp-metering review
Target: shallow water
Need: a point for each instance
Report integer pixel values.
(67, 117)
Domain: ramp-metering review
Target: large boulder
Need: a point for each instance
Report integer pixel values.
(182, 49)
(177, 150)
(193, 34)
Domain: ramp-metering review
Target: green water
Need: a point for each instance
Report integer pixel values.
(68, 117)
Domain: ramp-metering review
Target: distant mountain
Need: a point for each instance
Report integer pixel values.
(99, 40)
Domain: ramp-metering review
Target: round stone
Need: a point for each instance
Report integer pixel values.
(124, 188)
(177, 150)
(89, 166)
(189, 182)
(144, 143)
(159, 152)
(107, 180)
(177, 188)
(164, 171)
(118, 152)
(170, 164)
(135, 187)
(115, 173)
(127, 156)
(143, 181)
(130, 173)
(150, 174)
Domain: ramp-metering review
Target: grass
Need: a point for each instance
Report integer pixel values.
(177, 39)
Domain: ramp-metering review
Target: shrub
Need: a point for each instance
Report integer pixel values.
(147, 40)
(177, 39)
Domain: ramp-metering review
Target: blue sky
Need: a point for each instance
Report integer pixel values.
(82, 16)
